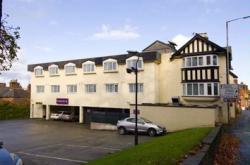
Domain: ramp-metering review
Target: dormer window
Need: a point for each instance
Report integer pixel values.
(38, 71)
(88, 67)
(53, 70)
(131, 62)
(70, 68)
(110, 65)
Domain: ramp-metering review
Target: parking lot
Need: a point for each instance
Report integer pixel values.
(40, 142)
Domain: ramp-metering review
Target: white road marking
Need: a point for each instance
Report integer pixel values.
(52, 157)
(105, 148)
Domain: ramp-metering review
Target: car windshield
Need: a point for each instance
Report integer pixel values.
(146, 120)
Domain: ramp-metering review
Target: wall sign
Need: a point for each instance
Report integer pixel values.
(62, 101)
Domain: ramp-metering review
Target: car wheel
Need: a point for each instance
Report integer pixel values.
(121, 130)
(151, 132)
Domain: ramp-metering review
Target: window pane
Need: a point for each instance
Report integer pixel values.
(208, 60)
(209, 89)
(214, 60)
(195, 89)
(188, 61)
(201, 89)
(194, 61)
(200, 61)
(189, 89)
(184, 90)
(216, 89)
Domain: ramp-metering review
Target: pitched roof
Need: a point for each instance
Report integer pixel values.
(233, 74)
(121, 59)
(215, 47)
(159, 45)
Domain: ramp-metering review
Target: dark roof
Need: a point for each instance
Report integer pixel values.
(197, 36)
(233, 74)
(163, 46)
(121, 59)
(6, 92)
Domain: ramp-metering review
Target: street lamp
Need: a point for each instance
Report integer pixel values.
(135, 70)
(228, 61)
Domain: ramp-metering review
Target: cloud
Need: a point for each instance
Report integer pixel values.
(18, 71)
(127, 32)
(53, 22)
(180, 40)
(44, 49)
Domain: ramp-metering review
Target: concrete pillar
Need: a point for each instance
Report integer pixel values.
(81, 114)
(47, 112)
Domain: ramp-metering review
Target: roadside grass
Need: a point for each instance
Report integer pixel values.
(158, 151)
(10, 110)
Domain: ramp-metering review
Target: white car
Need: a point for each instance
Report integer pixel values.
(56, 116)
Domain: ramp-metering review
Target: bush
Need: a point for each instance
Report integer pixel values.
(10, 110)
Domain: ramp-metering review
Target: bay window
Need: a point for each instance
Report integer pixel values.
(201, 89)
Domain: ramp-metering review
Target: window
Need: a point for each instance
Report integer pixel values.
(131, 62)
(70, 68)
(90, 88)
(200, 61)
(53, 70)
(71, 88)
(110, 65)
(194, 61)
(132, 87)
(111, 88)
(55, 88)
(88, 67)
(40, 89)
(38, 71)
(201, 89)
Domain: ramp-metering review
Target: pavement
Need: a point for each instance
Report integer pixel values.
(241, 129)
(40, 142)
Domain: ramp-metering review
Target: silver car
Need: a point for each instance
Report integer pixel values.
(143, 125)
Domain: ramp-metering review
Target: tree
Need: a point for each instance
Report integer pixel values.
(8, 42)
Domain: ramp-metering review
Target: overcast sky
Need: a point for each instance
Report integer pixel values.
(53, 30)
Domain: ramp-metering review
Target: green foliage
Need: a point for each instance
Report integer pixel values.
(8, 45)
(160, 150)
(13, 111)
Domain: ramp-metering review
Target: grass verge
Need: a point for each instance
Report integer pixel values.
(160, 150)
(10, 110)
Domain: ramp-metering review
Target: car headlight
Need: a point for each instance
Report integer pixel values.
(16, 159)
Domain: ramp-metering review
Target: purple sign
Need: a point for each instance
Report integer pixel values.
(62, 101)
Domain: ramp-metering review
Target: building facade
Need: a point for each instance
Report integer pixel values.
(101, 89)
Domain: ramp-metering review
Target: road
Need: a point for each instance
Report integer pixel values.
(241, 129)
(40, 142)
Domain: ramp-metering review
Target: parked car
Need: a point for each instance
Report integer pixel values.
(56, 115)
(68, 116)
(7, 158)
(143, 125)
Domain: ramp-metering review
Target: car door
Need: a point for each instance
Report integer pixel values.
(141, 126)
(130, 124)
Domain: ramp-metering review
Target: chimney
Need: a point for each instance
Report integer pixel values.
(14, 84)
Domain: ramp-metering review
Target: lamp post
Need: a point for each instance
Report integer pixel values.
(228, 61)
(135, 70)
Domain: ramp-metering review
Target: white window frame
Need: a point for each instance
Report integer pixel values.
(111, 88)
(113, 61)
(90, 88)
(204, 61)
(132, 60)
(205, 91)
(38, 68)
(73, 87)
(55, 88)
(53, 66)
(132, 86)
(40, 89)
(87, 64)
(70, 65)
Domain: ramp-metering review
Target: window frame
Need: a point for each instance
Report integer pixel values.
(55, 91)
(190, 92)
(135, 58)
(189, 60)
(52, 67)
(140, 87)
(113, 61)
(39, 68)
(88, 63)
(115, 88)
(87, 88)
(37, 89)
(70, 65)
(71, 92)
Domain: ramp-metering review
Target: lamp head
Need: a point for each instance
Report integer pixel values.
(129, 70)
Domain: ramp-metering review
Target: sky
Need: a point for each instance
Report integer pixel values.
(54, 30)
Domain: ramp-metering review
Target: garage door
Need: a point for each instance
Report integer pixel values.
(104, 115)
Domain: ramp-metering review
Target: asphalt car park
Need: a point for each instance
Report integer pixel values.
(40, 142)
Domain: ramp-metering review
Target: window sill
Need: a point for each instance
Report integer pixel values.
(89, 72)
(40, 76)
(70, 74)
(201, 98)
(54, 75)
(111, 71)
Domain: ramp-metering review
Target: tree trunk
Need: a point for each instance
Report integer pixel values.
(1, 12)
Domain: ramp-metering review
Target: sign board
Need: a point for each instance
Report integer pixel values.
(62, 101)
(138, 111)
(229, 92)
